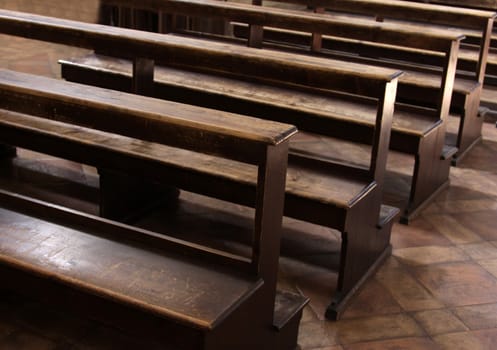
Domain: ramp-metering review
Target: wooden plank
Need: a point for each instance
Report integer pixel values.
(298, 20)
(410, 11)
(316, 106)
(108, 229)
(214, 303)
(429, 15)
(337, 75)
(466, 102)
(489, 97)
(317, 184)
(142, 117)
(188, 291)
(419, 66)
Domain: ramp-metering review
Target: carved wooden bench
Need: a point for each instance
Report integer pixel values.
(472, 59)
(416, 130)
(201, 298)
(488, 100)
(337, 195)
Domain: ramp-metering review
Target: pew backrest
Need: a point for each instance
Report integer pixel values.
(250, 140)
(144, 48)
(471, 21)
(230, 59)
(441, 45)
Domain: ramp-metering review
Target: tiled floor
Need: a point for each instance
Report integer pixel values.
(437, 291)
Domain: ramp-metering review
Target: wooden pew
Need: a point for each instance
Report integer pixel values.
(337, 195)
(416, 130)
(472, 61)
(488, 101)
(473, 37)
(193, 297)
(473, 57)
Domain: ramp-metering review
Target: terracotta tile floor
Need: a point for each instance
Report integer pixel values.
(438, 290)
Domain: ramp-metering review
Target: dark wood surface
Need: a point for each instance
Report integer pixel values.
(337, 25)
(412, 11)
(320, 107)
(434, 92)
(469, 54)
(162, 282)
(296, 72)
(166, 48)
(185, 315)
(141, 117)
(130, 293)
(324, 212)
(469, 22)
(466, 207)
(466, 99)
(309, 122)
(173, 286)
(307, 183)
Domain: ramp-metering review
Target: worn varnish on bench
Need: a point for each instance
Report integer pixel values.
(194, 297)
(337, 195)
(472, 59)
(416, 129)
(488, 100)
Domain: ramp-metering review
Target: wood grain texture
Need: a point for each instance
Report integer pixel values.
(213, 300)
(470, 22)
(356, 111)
(163, 283)
(466, 4)
(143, 117)
(184, 51)
(413, 11)
(311, 184)
(297, 20)
(464, 101)
(321, 194)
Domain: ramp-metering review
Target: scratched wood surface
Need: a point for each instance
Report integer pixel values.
(432, 38)
(143, 117)
(307, 183)
(166, 48)
(352, 110)
(163, 283)
(360, 195)
(147, 112)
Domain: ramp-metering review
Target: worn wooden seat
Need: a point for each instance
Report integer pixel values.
(304, 182)
(467, 87)
(196, 297)
(166, 280)
(352, 192)
(432, 158)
